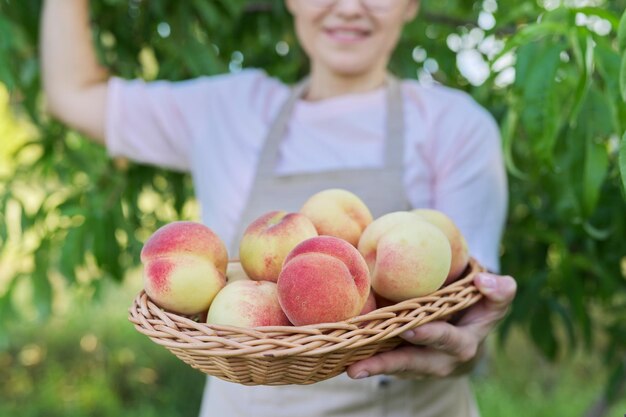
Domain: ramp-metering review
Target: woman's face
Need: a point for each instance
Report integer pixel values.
(346, 37)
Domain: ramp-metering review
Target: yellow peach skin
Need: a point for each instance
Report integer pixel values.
(337, 212)
(267, 241)
(324, 279)
(412, 260)
(370, 304)
(458, 244)
(372, 233)
(247, 303)
(184, 267)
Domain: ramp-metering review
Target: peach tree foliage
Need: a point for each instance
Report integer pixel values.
(563, 121)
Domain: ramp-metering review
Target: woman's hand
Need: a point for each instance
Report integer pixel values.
(441, 349)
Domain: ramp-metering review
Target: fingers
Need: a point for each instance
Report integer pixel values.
(418, 362)
(443, 336)
(439, 348)
(499, 290)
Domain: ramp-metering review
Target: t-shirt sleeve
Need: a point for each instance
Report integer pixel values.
(157, 122)
(149, 122)
(470, 183)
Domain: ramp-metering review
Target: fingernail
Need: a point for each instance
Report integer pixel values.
(407, 334)
(487, 281)
(362, 374)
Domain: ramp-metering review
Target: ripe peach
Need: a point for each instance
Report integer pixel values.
(324, 279)
(337, 212)
(412, 260)
(267, 241)
(184, 267)
(458, 244)
(372, 233)
(370, 304)
(247, 303)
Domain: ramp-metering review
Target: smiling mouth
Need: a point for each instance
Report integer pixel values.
(347, 35)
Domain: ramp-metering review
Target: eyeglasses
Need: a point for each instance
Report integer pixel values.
(373, 5)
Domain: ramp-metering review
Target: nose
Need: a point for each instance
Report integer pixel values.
(349, 8)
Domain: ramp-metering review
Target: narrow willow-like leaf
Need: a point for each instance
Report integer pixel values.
(542, 330)
(621, 33)
(541, 109)
(594, 172)
(616, 381)
(509, 128)
(42, 288)
(622, 77)
(567, 320)
(586, 68)
(622, 162)
(608, 64)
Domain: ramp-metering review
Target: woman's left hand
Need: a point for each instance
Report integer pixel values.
(441, 349)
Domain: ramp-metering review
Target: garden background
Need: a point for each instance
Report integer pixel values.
(72, 222)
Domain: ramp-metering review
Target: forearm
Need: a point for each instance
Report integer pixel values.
(73, 80)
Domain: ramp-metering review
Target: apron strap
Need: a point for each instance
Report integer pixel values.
(394, 129)
(394, 139)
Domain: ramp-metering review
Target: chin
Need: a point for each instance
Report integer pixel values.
(351, 68)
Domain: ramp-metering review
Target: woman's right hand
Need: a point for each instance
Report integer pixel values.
(74, 83)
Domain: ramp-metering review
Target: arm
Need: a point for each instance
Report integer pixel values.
(470, 186)
(73, 81)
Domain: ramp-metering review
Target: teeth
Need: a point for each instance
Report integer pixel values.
(347, 33)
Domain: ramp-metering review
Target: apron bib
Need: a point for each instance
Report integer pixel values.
(383, 191)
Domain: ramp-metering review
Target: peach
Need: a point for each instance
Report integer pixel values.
(370, 304)
(184, 267)
(337, 212)
(458, 244)
(412, 260)
(324, 279)
(372, 233)
(267, 241)
(247, 303)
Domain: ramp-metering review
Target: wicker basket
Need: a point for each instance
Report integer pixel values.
(283, 355)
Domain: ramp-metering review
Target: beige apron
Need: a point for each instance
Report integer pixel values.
(383, 191)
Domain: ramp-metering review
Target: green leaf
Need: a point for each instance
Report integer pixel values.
(72, 253)
(541, 108)
(594, 172)
(542, 330)
(575, 293)
(525, 55)
(616, 382)
(509, 127)
(42, 288)
(622, 77)
(568, 323)
(622, 161)
(621, 33)
(608, 63)
(596, 233)
(208, 12)
(586, 68)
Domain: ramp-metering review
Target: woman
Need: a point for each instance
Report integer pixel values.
(253, 144)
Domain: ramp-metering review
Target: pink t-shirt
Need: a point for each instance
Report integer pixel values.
(214, 127)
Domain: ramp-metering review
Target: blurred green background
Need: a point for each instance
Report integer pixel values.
(72, 222)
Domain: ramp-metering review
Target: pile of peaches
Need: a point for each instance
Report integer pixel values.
(329, 262)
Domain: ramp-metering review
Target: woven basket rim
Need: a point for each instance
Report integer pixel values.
(177, 332)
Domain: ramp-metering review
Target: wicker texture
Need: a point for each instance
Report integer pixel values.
(296, 355)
